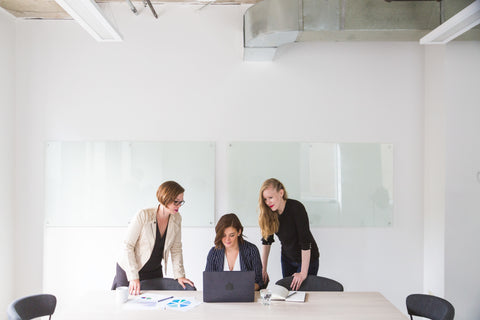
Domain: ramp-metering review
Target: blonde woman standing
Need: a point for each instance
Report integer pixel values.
(153, 235)
(288, 219)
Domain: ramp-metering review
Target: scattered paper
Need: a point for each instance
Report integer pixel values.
(146, 301)
(181, 304)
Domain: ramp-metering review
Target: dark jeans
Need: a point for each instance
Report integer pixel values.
(291, 267)
(121, 280)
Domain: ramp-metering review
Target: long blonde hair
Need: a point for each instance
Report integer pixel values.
(268, 220)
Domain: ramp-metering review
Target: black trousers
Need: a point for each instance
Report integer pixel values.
(120, 279)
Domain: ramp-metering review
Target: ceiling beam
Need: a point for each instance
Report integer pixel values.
(455, 26)
(89, 15)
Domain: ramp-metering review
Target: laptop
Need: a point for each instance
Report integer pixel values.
(229, 286)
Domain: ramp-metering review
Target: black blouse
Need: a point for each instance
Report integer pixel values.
(153, 268)
(294, 232)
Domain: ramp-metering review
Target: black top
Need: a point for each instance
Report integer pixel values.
(153, 268)
(294, 232)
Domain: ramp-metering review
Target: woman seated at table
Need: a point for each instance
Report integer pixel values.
(232, 252)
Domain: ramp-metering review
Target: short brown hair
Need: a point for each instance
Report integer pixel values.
(226, 221)
(168, 191)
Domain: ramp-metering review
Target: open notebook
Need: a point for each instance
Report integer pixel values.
(280, 293)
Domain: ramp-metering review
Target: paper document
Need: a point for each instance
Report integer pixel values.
(147, 301)
(181, 304)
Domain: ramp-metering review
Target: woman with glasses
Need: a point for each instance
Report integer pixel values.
(288, 219)
(233, 253)
(153, 235)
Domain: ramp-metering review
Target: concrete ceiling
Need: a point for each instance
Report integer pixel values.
(327, 20)
(50, 10)
(362, 10)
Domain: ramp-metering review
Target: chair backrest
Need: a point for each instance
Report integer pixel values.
(163, 284)
(31, 307)
(313, 283)
(428, 306)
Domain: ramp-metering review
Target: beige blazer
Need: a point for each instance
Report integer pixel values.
(140, 239)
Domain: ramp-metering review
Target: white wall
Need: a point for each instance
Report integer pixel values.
(462, 257)
(434, 171)
(182, 77)
(7, 116)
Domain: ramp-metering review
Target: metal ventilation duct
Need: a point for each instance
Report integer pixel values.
(272, 23)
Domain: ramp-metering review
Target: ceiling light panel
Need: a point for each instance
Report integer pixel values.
(455, 26)
(89, 15)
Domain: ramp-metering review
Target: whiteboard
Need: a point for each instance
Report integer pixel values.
(104, 183)
(340, 184)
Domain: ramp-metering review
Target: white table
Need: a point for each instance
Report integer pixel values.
(318, 305)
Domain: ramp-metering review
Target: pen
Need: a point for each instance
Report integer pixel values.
(291, 294)
(165, 299)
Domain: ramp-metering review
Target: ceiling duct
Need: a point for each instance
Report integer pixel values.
(270, 24)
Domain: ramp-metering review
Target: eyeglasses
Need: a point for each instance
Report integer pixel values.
(178, 203)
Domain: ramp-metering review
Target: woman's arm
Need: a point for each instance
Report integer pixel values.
(177, 256)
(214, 260)
(133, 233)
(265, 253)
(251, 256)
(176, 250)
(177, 263)
(303, 230)
(299, 277)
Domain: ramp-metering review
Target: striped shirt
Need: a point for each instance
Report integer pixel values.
(249, 260)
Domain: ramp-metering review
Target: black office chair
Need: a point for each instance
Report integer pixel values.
(31, 307)
(163, 284)
(428, 306)
(313, 283)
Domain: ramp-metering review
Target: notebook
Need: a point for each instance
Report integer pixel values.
(229, 286)
(280, 293)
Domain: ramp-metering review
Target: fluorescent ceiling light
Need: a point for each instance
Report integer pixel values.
(455, 26)
(90, 17)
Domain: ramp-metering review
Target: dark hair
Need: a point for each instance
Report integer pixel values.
(226, 221)
(168, 191)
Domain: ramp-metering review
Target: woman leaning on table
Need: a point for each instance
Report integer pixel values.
(233, 253)
(153, 235)
(288, 219)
